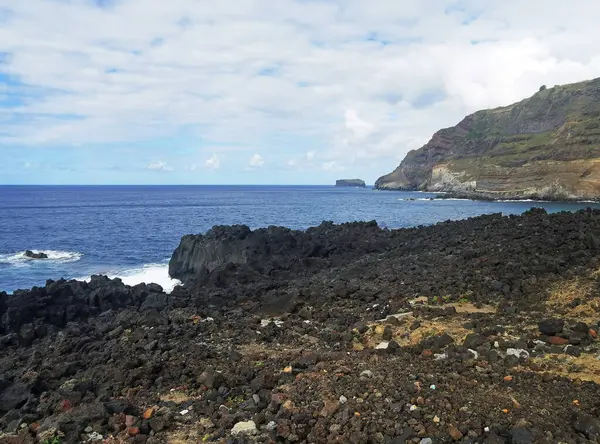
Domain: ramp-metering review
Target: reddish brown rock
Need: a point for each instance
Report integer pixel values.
(555, 340)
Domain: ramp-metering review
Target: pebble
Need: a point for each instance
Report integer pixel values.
(272, 425)
(413, 408)
(88, 429)
(455, 433)
(184, 412)
(367, 373)
(95, 436)
(382, 346)
(244, 428)
(343, 399)
(426, 441)
(432, 387)
(436, 419)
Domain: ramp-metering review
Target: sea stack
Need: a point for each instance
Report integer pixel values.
(350, 183)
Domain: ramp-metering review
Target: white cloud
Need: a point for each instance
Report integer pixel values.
(256, 161)
(328, 166)
(159, 166)
(191, 167)
(213, 162)
(292, 163)
(366, 80)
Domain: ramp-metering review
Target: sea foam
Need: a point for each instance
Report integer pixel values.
(19, 259)
(146, 274)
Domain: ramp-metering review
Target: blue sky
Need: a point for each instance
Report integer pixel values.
(263, 92)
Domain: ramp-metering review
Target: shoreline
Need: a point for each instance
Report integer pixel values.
(269, 317)
(489, 197)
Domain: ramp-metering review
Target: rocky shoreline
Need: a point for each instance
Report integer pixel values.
(476, 331)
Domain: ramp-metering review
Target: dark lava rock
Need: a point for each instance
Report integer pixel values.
(473, 340)
(521, 435)
(578, 337)
(41, 255)
(387, 333)
(14, 396)
(551, 326)
(573, 351)
(236, 250)
(587, 425)
(581, 327)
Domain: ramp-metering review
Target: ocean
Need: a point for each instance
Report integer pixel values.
(131, 231)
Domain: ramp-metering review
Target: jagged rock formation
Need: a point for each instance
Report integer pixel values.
(544, 147)
(273, 251)
(350, 183)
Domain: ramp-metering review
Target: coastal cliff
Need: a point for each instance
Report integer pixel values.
(544, 147)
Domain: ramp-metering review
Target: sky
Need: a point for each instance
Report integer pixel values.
(264, 91)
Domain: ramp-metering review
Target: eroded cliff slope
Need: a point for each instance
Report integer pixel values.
(544, 147)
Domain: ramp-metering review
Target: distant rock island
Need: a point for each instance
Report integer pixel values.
(350, 183)
(545, 147)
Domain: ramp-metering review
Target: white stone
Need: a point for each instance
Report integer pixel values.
(432, 387)
(367, 373)
(426, 441)
(518, 352)
(413, 408)
(244, 428)
(184, 412)
(474, 353)
(95, 436)
(272, 425)
(440, 356)
(343, 399)
(382, 346)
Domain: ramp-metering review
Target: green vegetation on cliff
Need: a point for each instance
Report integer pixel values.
(547, 146)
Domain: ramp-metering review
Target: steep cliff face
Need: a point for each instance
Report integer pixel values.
(545, 147)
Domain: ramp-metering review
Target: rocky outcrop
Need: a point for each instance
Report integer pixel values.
(350, 183)
(31, 255)
(544, 147)
(271, 251)
(29, 313)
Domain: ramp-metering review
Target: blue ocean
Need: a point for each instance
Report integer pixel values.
(131, 231)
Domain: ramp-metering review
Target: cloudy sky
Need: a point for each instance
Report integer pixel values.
(264, 91)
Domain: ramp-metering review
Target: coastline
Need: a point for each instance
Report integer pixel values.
(267, 318)
(497, 196)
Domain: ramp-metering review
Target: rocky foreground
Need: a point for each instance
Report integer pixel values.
(477, 331)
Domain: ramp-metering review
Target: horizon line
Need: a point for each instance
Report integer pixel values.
(175, 185)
